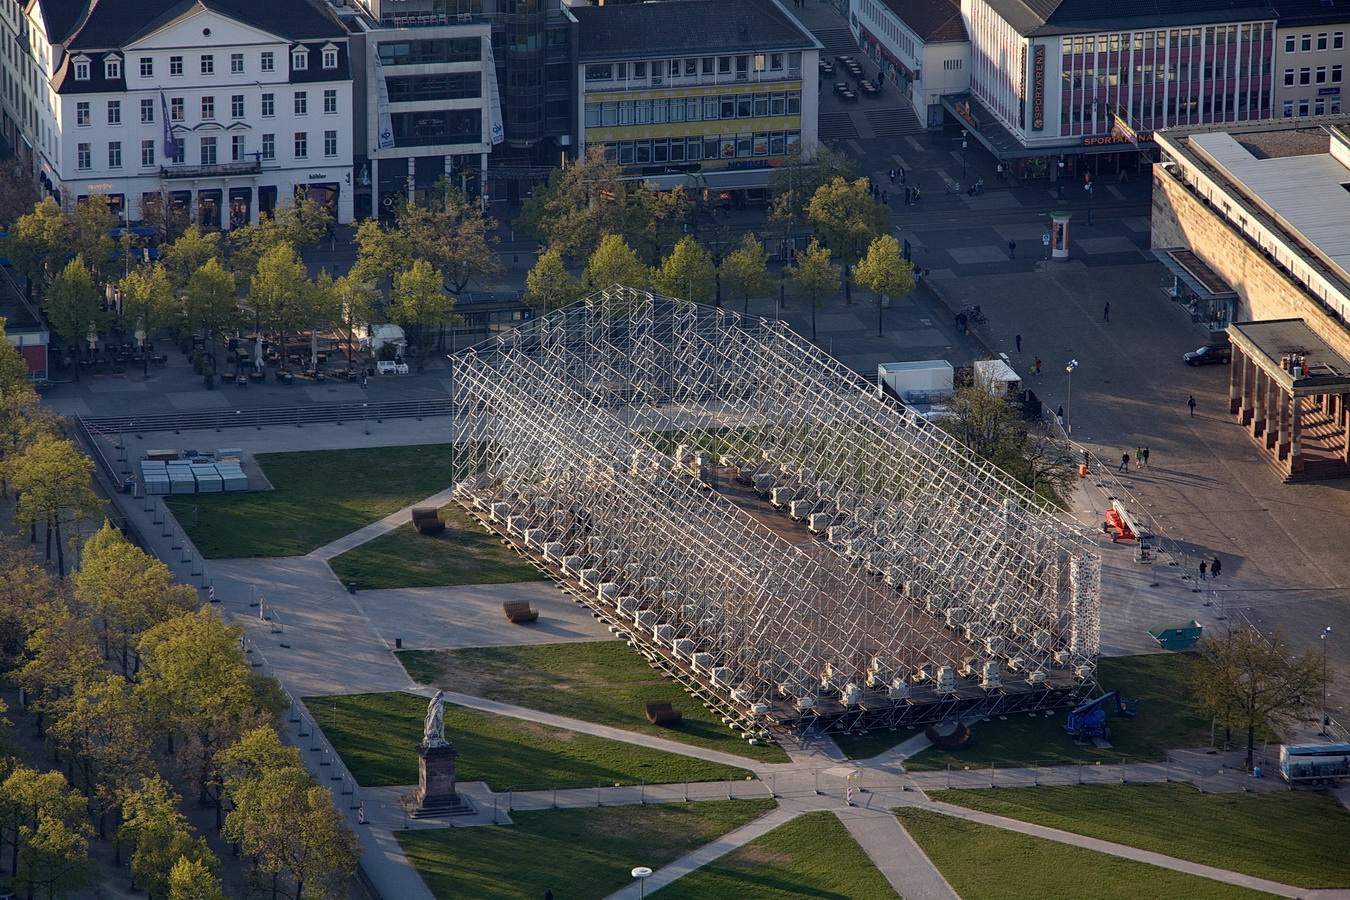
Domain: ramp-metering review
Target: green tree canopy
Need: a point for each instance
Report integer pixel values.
(805, 170)
(148, 302)
(54, 483)
(188, 253)
(747, 271)
(844, 213)
(212, 299)
(72, 303)
(816, 277)
(41, 242)
(687, 272)
(449, 231)
(420, 305)
(277, 290)
(549, 285)
(583, 203)
(614, 262)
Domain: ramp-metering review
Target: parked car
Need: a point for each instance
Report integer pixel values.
(1209, 355)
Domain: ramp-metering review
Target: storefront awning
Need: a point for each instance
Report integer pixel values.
(1195, 273)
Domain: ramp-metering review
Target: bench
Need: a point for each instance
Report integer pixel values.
(427, 520)
(518, 612)
(663, 713)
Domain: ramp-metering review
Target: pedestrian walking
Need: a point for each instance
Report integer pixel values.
(999, 168)
(1106, 313)
(1059, 416)
(892, 176)
(363, 382)
(1145, 456)
(885, 199)
(1036, 366)
(1190, 401)
(1138, 456)
(1124, 463)
(1202, 570)
(1214, 568)
(1012, 249)
(909, 201)
(1018, 340)
(902, 176)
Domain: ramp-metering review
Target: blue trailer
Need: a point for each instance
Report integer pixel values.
(1314, 763)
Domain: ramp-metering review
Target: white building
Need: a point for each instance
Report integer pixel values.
(919, 45)
(228, 107)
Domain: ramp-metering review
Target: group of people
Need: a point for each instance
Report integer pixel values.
(1213, 568)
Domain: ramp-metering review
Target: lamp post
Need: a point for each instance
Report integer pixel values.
(642, 873)
(1325, 633)
(1059, 181)
(964, 144)
(1088, 187)
(1068, 415)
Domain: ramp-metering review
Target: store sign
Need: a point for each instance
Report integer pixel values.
(1038, 87)
(1322, 92)
(1105, 139)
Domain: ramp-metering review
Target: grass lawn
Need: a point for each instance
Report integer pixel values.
(462, 554)
(986, 863)
(376, 736)
(1279, 836)
(811, 856)
(319, 496)
(605, 682)
(1161, 682)
(576, 853)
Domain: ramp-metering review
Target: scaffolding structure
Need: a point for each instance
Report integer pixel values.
(764, 525)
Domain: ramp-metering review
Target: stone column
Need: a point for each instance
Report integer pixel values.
(1282, 423)
(1259, 396)
(1295, 440)
(1274, 410)
(1237, 369)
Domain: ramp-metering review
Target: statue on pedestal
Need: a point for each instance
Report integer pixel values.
(433, 727)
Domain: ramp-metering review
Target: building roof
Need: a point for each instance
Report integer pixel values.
(103, 24)
(1055, 17)
(934, 21)
(1311, 12)
(693, 27)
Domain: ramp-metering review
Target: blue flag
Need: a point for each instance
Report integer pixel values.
(171, 148)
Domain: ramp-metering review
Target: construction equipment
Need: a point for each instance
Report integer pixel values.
(1087, 723)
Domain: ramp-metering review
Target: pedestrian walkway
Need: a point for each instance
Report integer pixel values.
(384, 526)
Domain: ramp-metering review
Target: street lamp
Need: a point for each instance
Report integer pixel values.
(1068, 415)
(1059, 181)
(642, 873)
(964, 145)
(1325, 718)
(1088, 187)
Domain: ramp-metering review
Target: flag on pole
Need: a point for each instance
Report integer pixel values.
(171, 148)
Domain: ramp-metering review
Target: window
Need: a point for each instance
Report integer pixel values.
(236, 63)
(83, 156)
(114, 112)
(175, 65)
(301, 103)
(601, 72)
(147, 67)
(268, 61)
(147, 154)
(330, 103)
(330, 58)
(775, 62)
(176, 109)
(237, 106)
(1322, 41)
(82, 112)
(115, 155)
(299, 59)
(269, 105)
(408, 53)
(82, 71)
(444, 86)
(1288, 108)
(1335, 74)
(330, 143)
(1305, 43)
(301, 145)
(112, 69)
(208, 64)
(1289, 43)
(238, 147)
(208, 107)
(1337, 40)
(147, 109)
(1321, 75)
(724, 65)
(208, 149)
(1289, 77)
(269, 146)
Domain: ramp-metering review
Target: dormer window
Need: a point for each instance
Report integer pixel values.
(82, 69)
(299, 59)
(330, 57)
(112, 68)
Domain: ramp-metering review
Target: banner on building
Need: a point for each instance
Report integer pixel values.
(385, 122)
(1121, 129)
(1038, 87)
(171, 149)
(494, 97)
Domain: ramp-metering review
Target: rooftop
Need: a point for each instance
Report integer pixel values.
(693, 27)
(1276, 339)
(1054, 17)
(104, 24)
(934, 21)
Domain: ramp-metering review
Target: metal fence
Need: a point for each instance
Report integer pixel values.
(299, 416)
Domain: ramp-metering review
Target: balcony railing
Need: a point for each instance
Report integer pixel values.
(246, 167)
(428, 20)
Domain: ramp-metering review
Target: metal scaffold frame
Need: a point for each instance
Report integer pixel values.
(764, 525)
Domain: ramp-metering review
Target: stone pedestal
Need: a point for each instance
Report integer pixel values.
(436, 795)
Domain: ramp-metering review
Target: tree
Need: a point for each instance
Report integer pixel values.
(92, 238)
(300, 224)
(449, 231)
(18, 191)
(358, 301)
(583, 203)
(192, 879)
(803, 172)
(188, 253)
(656, 218)
(167, 216)
(212, 301)
(53, 480)
(147, 300)
(128, 591)
(844, 213)
(380, 253)
(277, 291)
(885, 272)
(1251, 681)
(549, 285)
(420, 304)
(39, 243)
(614, 262)
(159, 836)
(14, 378)
(72, 303)
(42, 821)
(815, 276)
(747, 271)
(56, 859)
(687, 272)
